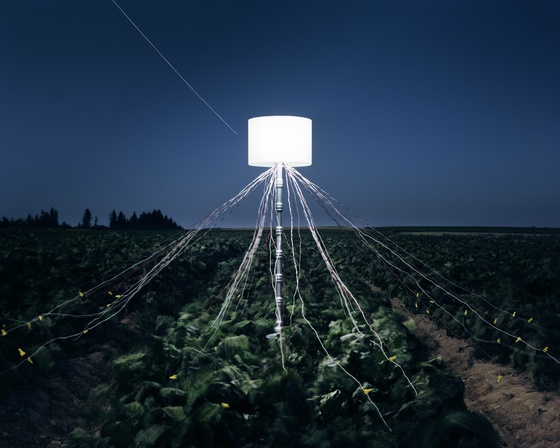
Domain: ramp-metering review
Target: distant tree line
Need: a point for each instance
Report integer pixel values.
(44, 220)
(49, 220)
(147, 220)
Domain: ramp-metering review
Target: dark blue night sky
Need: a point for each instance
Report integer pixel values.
(424, 112)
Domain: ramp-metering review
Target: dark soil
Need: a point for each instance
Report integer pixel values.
(523, 416)
(45, 413)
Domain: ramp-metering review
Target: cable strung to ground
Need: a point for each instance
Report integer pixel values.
(407, 270)
(122, 287)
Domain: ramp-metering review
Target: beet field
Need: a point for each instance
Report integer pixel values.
(127, 339)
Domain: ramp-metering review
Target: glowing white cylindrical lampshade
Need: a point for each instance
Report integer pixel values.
(279, 138)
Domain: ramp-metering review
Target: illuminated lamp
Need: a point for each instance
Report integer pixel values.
(279, 139)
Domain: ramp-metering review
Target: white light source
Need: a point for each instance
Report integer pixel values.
(281, 138)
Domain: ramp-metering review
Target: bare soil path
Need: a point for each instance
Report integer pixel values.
(45, 413)
(523, 416)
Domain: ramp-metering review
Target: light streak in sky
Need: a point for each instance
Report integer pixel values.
(173, 68)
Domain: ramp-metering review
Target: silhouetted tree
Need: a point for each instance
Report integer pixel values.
(121, 220)
(113, 219)
(12, 223)
(53, 217)
(147, 220)
(86, 219)
(45, 220)
(156, 219)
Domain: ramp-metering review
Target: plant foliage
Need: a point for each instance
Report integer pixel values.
(190, 383)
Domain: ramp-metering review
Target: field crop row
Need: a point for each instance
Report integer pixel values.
(354, 376)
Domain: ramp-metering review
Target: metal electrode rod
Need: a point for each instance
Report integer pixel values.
(278, 264)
